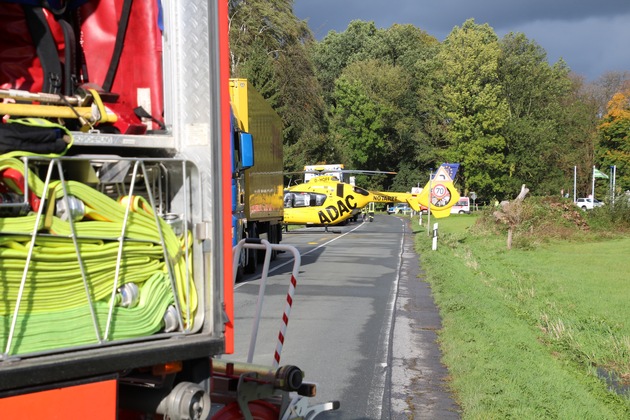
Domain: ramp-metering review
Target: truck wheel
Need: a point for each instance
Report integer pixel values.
(240, 268)
(275, 235)
(252, 254)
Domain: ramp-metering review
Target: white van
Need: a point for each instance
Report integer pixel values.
(462, 206)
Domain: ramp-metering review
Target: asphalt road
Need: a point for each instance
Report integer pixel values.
(362, 324)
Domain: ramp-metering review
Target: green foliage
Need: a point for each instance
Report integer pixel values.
(270, 23)
(393, 70)
(548, 218)
(397, 99)
(408, 176)
(615, 216)
(577, 128)
(359, 123)
(474, 107)
(337, 50)
(271, 47)
(398, 45)
(536, 145)
(365, 116)
(259, 70)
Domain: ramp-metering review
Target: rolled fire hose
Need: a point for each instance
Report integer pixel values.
(50, 330)
(53, 287)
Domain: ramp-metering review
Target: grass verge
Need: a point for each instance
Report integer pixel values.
(537, 332)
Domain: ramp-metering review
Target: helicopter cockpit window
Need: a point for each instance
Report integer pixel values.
(296, 199)
(318, 199)
(288, 200)
(303, 199)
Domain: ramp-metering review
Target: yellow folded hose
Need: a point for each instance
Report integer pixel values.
(152, 257)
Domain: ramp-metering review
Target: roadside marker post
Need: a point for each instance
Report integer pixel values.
(435, 236)
(430, 199)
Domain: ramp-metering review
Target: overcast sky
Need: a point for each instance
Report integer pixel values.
(593, 37)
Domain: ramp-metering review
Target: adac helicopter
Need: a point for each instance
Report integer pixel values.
(325, 200)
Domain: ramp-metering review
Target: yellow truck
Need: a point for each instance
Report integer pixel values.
(257, 190)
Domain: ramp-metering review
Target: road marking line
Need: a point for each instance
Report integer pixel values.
(377, 387)
(277, 267)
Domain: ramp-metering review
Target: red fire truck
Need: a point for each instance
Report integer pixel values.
(116, 283)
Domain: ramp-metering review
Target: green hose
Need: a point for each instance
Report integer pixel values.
(49, 331)
(54, 300)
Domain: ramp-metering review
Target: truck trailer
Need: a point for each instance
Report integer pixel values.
(258, 208)
(116, 279)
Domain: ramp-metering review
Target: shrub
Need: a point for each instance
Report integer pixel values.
(543, 218)
(614, 216)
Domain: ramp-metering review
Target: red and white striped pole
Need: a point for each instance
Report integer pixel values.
(285, 321)
(297, 261)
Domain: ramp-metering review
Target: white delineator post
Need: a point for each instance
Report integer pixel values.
(435, 236)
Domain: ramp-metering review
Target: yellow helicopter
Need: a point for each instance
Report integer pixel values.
(325, 200)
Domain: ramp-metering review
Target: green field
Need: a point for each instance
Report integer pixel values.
(535, 332)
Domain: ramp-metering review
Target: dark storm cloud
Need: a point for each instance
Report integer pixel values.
(590, 36)
(443, 15)
(502, 14)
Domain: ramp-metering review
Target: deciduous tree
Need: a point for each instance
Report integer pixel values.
(614, 145)
(269, 46)
(475, 108)
(535, 92)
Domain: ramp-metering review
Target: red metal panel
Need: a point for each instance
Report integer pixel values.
(228, 281)
(94, 401)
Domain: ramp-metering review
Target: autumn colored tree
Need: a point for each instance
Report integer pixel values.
(614, 144)
(605, 87)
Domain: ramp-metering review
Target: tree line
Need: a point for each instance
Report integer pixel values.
(397, 99)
